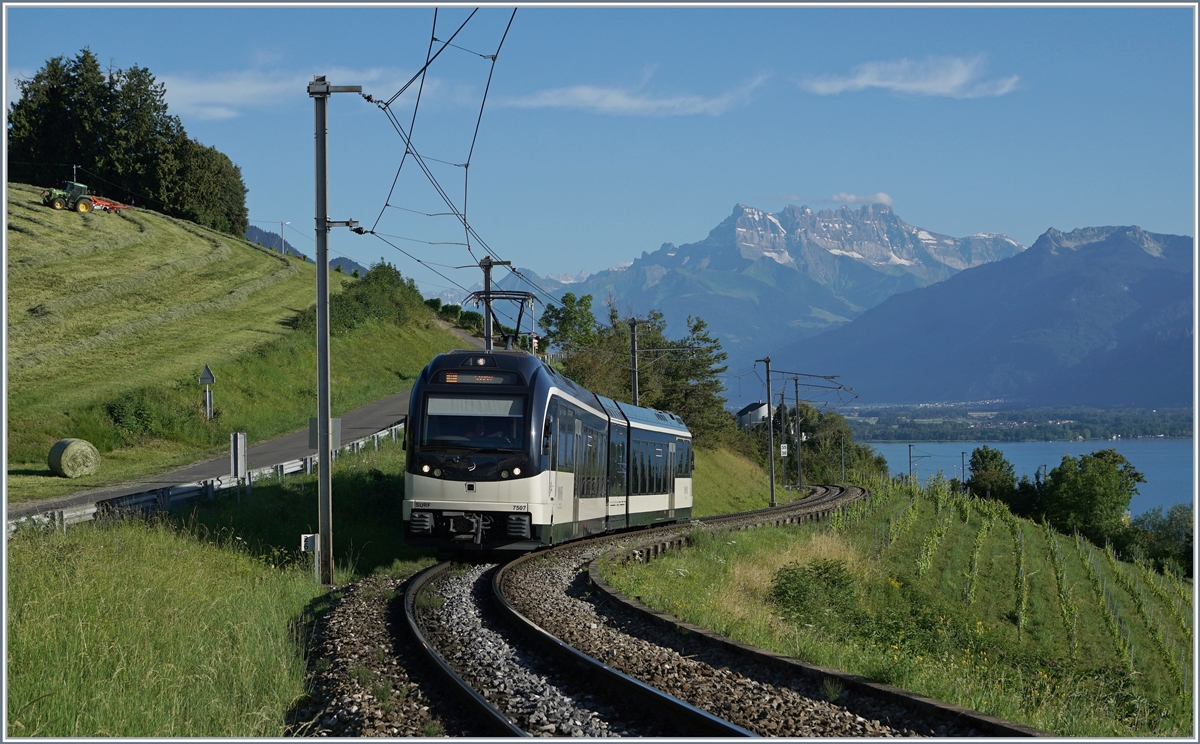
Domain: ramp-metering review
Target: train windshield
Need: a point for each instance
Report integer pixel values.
(474, 422)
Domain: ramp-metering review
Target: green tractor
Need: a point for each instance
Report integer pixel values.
(75, 197)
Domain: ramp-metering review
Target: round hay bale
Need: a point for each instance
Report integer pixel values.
(71, 458)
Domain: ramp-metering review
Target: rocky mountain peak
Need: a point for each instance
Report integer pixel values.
(1054, 240)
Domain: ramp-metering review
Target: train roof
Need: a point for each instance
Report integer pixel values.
(528, 365)
(521, 361)
(653, 417)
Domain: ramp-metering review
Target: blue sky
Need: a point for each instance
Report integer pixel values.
(609, 131)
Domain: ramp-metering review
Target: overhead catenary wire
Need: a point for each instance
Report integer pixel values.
(411, 152)
(416, 107)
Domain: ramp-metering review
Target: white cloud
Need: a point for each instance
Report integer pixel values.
(876, 198)
(954, 77)
(623, 102)
(228, 95)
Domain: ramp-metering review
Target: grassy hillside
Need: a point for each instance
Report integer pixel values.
(726, 482)
(113, 316)
(955, 598)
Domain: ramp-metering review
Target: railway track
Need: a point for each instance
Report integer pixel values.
(535, 647)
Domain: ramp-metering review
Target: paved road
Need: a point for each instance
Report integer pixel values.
(356, 424)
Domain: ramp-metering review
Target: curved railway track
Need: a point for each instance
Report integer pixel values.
(536, 647)
(550, 611)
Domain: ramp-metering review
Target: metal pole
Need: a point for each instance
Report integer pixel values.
(963, 487)
(783, 431)
(324, 435)
(319, 89)
(843, 438)
(910, 462)
(486, 265)
(799, 437)
(770, 428)
(633, 356)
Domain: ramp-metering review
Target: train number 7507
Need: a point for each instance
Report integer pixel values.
(520, 507)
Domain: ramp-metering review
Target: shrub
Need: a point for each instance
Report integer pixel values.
(471, 320)
(382, 294)
(817, 591)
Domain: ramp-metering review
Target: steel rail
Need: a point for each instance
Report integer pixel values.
(831, 498)
(492, 718)
(688, 720)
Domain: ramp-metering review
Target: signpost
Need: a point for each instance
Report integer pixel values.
(207, 378)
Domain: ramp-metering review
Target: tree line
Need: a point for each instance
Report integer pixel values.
(677, 375)
(115, 125)
(1089, 494)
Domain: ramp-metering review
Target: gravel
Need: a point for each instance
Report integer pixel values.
(515, 677)
(365, 677)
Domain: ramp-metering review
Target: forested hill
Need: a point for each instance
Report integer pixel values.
(112, 131)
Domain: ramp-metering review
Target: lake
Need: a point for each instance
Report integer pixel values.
(1167, 464)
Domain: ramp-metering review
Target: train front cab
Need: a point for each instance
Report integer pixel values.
(474, 479)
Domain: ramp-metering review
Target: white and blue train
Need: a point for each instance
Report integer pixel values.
(504, 453)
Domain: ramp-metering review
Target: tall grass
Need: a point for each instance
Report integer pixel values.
(191, 624)
(142, 629)
(1023, 648)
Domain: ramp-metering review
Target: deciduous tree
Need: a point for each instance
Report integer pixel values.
(991, 474)
(1090, 494)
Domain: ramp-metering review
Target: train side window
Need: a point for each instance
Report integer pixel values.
(645, 460)
(566, 440)
(548, 430)
(639, 468)
(664, 462)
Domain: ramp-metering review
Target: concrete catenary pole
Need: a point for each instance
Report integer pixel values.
(319, 89)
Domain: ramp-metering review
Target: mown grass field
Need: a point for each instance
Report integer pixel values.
(190, 625)
(113, 316)
(953, 598)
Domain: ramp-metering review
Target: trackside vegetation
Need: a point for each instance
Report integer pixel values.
(953, 597)
(192, 624)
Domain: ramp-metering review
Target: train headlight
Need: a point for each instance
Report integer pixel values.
(424, 468)
(503, 473)
(516, 471)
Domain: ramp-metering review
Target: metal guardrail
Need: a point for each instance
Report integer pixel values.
(167, 497)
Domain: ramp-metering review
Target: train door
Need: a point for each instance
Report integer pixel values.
(580, 451)
(552, 423)
(670, 478)
(617, 499)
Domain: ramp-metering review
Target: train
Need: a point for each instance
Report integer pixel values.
(507, 454)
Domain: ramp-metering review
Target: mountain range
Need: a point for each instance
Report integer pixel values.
(271, 240)
(1097, 316)
(777, 278)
